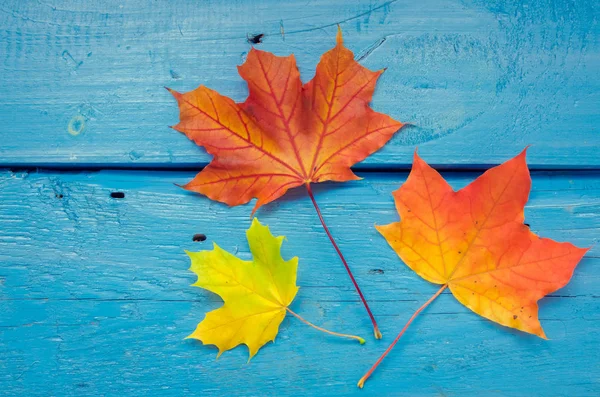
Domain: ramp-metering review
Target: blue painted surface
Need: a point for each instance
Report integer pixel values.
(94, 291)
(95, 295)
(480, 78)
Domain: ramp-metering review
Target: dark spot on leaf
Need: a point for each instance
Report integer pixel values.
(376, 271)
(476, 222)
(515, 317)
(460, 252)
(199, 237)
(255, 38)
(117, 195)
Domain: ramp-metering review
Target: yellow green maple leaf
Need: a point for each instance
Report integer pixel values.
(256, 293)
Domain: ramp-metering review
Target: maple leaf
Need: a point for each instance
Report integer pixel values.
(474, 242)
(285, 134)
(256, 293)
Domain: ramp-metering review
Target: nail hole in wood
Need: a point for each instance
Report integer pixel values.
(117, 195)
(255, 38)
(199, 237)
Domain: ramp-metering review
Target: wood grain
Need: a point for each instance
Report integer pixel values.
(82, 82)
(94, 287)
(96, 299)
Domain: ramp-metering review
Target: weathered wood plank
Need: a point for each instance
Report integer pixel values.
(95, 296)
(482, 79)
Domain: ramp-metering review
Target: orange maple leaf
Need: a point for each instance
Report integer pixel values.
(285, 134)
(475, 243)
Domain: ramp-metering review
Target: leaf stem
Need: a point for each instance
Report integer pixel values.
(358, 338)
(362, 297)
(362, 380)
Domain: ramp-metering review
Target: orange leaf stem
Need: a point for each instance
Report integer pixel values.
(362, 380)
(362, 297)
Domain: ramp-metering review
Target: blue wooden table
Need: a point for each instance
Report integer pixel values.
(94, 289)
